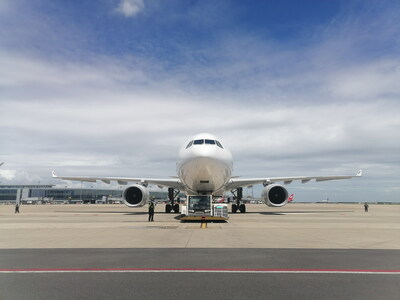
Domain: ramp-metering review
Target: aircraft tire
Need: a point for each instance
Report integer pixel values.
(176, 208)
(168, 208)
(234, 208)
(242, 208)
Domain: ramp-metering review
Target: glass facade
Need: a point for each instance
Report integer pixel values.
(8, 194)
(48, 193)
(75, 194)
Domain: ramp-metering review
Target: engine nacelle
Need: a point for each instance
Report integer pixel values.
(275, 195)
(135, 195)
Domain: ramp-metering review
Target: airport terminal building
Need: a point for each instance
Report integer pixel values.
(41, 194)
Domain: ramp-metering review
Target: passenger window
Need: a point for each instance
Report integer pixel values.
(190, 144)
(198, 142)
(219, 144)
(210, 142)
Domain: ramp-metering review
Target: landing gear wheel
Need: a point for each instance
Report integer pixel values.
(242, 208)
(234, 208)
(172, 205)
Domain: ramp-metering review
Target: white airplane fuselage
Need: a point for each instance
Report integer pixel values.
(204, 165)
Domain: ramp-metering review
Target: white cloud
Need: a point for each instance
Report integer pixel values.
(100, 108)
(18, 70)
(130, 8)
(376, 79)
(18, 177)
(7, 174)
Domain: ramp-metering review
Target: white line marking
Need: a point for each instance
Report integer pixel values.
(39, 271)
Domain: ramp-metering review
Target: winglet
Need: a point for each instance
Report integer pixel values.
(53, 174)
(359, 174)
(1, 163)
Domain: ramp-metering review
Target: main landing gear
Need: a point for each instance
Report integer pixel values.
(238, 195)
(172, 205)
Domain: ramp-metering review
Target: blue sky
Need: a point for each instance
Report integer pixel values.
(114, 87)
(170, 24)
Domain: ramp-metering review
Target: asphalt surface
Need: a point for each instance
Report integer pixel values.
(300, 251)
(195, 285)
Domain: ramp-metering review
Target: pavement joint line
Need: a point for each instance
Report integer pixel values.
(193, 270)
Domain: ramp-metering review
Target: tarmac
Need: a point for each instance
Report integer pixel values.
(319, 226)
(300, 251)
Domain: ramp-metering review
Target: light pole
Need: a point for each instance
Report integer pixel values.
(80, 196)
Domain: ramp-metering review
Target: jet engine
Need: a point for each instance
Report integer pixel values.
(135, 195)
(275, 195)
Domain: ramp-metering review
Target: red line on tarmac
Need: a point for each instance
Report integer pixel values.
(200, 270)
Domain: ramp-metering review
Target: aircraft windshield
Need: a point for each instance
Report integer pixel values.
(206, 141)
(199, 203)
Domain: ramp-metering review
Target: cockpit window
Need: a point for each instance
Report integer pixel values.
(206, 141)
(198, 142)
(190, 144)
(210, 142)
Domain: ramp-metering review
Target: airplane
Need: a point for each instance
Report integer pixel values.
(205, 167)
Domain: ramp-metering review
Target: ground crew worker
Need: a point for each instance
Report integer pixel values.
(366, 207)
(151, 210)
(17, 208)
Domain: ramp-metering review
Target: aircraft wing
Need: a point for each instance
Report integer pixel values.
(240, 182)
(168, 182)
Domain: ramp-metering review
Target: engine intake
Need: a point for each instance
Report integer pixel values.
(135, 195)
(275, 195)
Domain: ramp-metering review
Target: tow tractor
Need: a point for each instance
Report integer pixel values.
(201, 207)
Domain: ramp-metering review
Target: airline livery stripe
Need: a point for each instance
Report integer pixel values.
(253, 271)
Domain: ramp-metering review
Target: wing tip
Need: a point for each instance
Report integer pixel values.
(359, 173)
